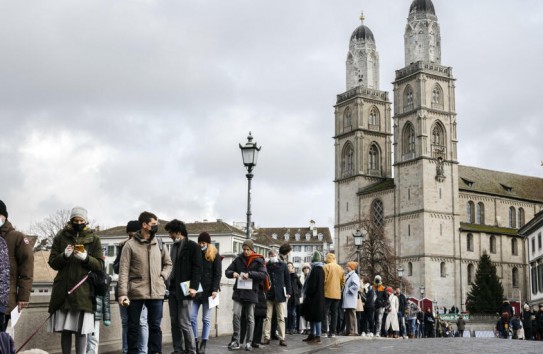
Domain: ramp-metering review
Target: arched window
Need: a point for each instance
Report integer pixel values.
(520, 217)
(374, 117)
(443, 270)
(512, 217)
(408, 139)
(514, 277)
(480, 213)
(347, 119)
(373, 160)
(470, 273)
(377, 213)
(437, 97)
(469, 243)
(514, 247)
(347, 160)
(471, 212)
(492, 244)
(408, 98)
(409, 269)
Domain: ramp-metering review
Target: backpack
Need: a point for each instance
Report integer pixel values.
(381, 300)
(100, 282)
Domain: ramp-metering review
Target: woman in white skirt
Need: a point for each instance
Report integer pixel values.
(76, 251)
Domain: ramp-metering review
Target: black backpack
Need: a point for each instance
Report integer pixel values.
(382, 299)
(100, 282)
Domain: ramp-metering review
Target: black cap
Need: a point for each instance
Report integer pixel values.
(132, 226)
(3, 209)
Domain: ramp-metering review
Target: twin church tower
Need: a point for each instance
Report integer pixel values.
(418, 204)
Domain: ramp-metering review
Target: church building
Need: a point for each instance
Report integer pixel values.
(439, 216)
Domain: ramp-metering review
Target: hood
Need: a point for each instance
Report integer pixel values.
(330, 258)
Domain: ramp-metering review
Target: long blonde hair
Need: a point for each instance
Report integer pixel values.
(211, 252)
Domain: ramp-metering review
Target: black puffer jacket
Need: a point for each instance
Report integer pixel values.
(254, 266)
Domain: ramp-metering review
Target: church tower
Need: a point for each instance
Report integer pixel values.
(427, 217)
(363, 134)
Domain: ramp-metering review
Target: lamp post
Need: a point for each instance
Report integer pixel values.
(249, 153)
(421, 332)
(400, 274)
(358, 240)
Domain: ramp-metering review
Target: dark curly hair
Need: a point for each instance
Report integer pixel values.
(176, 226)
(285, 249)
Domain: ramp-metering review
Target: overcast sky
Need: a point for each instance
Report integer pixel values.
(124, 106)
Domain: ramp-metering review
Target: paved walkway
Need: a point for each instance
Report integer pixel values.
(347, 345)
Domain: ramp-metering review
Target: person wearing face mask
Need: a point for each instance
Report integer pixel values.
(143, 270)
(279, 293)
(211, 281)
(187, 267)
(76, 250)
(21, 266)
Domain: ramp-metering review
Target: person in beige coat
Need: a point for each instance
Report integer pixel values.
(334, 282)
(144, 267)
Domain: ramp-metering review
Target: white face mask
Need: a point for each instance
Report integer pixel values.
(273, 259)
(204, 248)
(2, 221)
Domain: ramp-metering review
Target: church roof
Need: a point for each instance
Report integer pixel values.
(387, 183)
(422, 6)
(508, 185)
(489, 229)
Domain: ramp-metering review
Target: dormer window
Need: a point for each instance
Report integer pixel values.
(287, 236)
(274, 236)
(297, 236)
(507, 188)
(320, 236)
(308, 236)
(468, 182)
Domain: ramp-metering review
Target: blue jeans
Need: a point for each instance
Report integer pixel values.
(412, 326)
(154, 317)
(401, 322)
(206, 317)
(144, 330)
(316, 328)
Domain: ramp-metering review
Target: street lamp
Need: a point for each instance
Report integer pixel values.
(249, 153)
(400, 274)
(358, 240)
(422, 297)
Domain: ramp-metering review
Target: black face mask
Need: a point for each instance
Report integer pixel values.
(78, 227)
(153, 230)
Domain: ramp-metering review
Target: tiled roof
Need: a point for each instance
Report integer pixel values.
(488, 229)
(387, 183)
(497, 183)
(264, 236)
(43, 273)
(193, 228)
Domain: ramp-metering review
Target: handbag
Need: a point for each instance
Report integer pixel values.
(359, 304)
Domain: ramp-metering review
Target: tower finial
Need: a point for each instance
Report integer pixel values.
(362, 18)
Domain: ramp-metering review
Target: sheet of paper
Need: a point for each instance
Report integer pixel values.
(245, 284)
(213, 301)
(15, 314)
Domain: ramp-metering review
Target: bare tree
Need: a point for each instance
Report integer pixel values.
(377, 255)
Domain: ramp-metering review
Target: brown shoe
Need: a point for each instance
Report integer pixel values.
(283, 343)
(316, 340)
(265, 342)
(309, 338)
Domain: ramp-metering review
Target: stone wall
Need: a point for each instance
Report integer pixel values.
(110, 337)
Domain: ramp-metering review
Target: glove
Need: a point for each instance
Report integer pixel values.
(107, 323)
(81, 255)
(68, 251)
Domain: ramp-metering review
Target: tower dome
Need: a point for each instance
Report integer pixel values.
(422, 6)
(362, 59)
(362, 32)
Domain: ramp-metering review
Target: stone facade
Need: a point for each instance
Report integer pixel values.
(439, 216)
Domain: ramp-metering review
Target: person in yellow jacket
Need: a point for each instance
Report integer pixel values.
(334, 282)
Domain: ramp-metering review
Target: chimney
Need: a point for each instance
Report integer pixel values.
(311, 225)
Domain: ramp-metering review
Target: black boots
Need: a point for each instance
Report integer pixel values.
(202, 349)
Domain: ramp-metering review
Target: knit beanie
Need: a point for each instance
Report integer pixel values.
(306, 265)
(204, 237)
(3, 209)
(132, 226)
(78, 212)
(250, 244)
(352, 265)
(377, 279)
(317, 257)
(390, 290)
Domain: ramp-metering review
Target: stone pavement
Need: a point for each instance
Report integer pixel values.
(346, 345)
